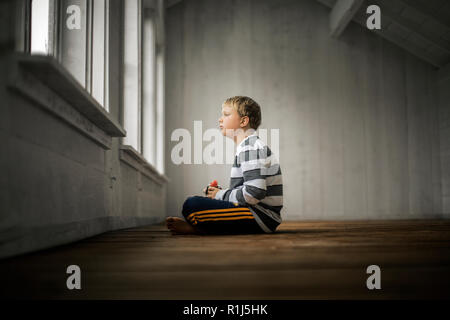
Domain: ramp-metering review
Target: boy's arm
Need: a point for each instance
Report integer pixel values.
(220, 194)
(225, 194)
(254, 188)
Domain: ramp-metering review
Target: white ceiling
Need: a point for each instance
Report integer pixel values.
(421, 27)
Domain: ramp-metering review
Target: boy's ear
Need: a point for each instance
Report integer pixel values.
(245, 120)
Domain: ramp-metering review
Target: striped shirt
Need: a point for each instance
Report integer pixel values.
(256, 182)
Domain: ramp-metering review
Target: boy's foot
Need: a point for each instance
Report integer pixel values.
(179, 226)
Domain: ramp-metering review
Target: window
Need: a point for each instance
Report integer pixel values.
(73, 51)
(132, 74)
(40, 27)
(76, 33)
(99, 72)
(149, 88)
(160, 80)
(143, 82)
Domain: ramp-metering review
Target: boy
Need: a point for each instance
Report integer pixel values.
(253, 202)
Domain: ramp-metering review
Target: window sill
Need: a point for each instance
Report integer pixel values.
(133, 158)
(44, 80)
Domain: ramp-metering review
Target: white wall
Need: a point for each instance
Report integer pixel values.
(444, 126)
(358, 116)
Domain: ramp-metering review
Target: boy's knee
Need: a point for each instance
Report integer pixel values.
(190, 204)
(191, 200)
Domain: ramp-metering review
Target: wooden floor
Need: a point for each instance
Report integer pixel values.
(303, 260)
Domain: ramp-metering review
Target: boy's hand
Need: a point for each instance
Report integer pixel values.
(211, 192)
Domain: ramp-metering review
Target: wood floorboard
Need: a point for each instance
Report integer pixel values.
(303, 260)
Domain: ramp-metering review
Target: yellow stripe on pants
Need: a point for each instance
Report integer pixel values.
(231, 218)
(218, 210)
(224, 216)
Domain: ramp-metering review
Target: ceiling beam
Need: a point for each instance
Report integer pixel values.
(341, 15)
(171, 3)
(409, 47)
(327, 3)
(414, 28)
(403, 43)
(419, 7)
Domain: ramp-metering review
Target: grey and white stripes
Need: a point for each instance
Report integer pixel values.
(256, 181)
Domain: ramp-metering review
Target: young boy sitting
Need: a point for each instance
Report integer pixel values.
(253, 202)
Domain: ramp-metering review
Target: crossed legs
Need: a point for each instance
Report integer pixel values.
(203, 215)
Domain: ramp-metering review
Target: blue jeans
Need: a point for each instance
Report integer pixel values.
(211, 216)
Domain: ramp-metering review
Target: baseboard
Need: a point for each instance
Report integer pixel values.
(21, 240)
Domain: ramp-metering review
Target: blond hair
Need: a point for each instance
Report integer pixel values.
(246, 106)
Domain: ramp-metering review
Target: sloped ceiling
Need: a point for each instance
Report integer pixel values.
(420, 27)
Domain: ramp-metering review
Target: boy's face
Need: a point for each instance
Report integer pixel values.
(230, 120)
